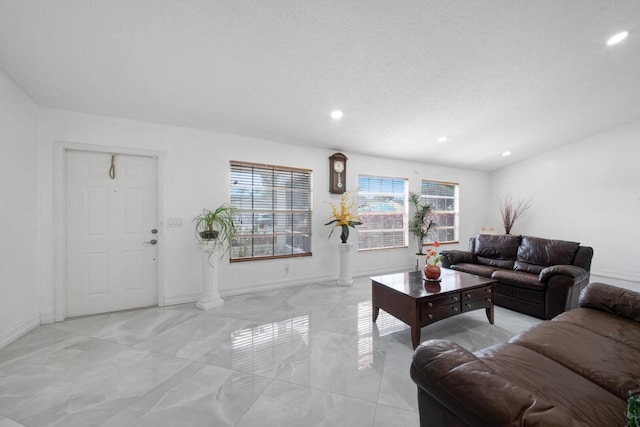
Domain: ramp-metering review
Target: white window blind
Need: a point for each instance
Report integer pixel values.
(443, 197)
(274, 211)
(382, 207)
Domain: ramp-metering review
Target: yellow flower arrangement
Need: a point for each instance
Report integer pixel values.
(343, 217)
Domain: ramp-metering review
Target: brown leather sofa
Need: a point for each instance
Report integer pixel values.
(539, 277)
(574, 370)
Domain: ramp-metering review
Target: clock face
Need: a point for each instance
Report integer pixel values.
(338, 166)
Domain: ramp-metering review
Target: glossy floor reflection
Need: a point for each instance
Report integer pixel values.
(304, 356)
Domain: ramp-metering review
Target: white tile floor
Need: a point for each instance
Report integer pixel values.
(304, 356)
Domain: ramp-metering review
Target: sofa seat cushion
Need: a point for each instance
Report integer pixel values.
(520, 279)
(477, 269)
(541, 376)
(535, 253)
(604, 361)
(617, 328)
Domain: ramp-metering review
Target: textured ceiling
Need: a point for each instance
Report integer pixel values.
(524, 76)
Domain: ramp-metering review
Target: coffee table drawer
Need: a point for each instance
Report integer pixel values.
(444, 300)
(477, 293)
(476, 303)
(431, 314)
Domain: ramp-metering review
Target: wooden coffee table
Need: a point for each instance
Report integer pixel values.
(417, 302)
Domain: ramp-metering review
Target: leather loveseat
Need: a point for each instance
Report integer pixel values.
(575, 370)
(539, 277)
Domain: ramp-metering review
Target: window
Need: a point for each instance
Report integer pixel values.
(443, 197)
(382, 207)
(274, 211)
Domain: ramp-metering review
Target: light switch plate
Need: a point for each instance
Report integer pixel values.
(174, 222)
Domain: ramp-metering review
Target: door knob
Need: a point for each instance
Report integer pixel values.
(151, 242)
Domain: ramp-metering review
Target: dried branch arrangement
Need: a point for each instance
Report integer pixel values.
(511, 211)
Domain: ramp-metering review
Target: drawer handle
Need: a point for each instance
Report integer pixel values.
(488, 299)
(454, 308)
(454, 298)
(430, 316)
(488, 290)
(468, 295)
(430, 304)
(467, 305)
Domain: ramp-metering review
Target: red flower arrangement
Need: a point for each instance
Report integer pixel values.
(433, 257)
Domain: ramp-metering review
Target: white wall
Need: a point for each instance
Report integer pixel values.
(18, 212)
(196, 175)
(587, 192)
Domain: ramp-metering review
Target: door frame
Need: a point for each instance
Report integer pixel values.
(60, 216)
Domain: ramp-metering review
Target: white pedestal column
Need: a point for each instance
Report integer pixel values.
(345, 279)
(210, 297)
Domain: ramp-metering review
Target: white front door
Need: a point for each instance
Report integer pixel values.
(111, 232)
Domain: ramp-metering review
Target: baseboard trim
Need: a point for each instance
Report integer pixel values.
(267, 286)
(13, 334)
(616, 275)
(277, 284)
(282, 284)
(181, 299)
(46, 318)
(387, 270)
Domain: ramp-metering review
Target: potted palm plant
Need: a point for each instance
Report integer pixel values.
(216, 227)
(422, 223)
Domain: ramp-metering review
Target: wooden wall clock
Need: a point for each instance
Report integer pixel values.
(337, 173)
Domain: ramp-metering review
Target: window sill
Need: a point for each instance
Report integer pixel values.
(453, 242)
(382, 249)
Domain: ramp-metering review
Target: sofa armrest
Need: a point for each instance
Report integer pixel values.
(566, 270)
(564, 284)
(473, 392)
(453, 257)
(611, 299)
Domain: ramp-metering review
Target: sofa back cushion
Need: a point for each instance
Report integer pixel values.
(583, 257)
(535, 253)
(497, 250)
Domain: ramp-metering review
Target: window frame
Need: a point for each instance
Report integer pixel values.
(405, 213)
(456, 211)
(275, 212)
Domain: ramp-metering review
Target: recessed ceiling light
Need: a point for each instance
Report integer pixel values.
(442, 139)
(337, 114)
(506, 153)
(617, 38)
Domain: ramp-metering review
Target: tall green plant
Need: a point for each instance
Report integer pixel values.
(422, 223)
